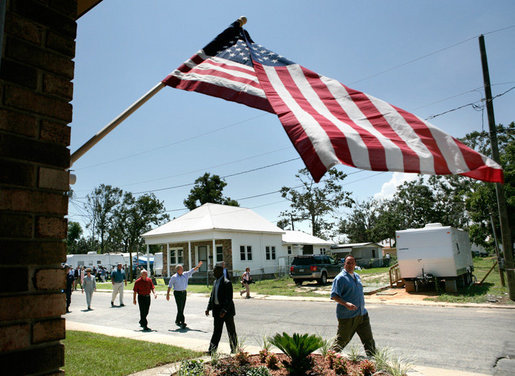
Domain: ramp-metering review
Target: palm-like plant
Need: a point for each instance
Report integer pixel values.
(297, 348)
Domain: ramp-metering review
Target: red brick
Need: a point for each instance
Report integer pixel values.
(33, 201)
(39, 57)
(48, 330)
(51, 178)
(16, 147)
(18, 280)
(40, 360)
(31, 252)
(28, 100)
(50, 279)
(23, 29)
(40, 13)
(20, 74)
(15, 173)
(14, 337)
(58, 43)
(51, 227)
(55, 132)
(15, 122)
(23, 307)
(15, 225)
(55, 85)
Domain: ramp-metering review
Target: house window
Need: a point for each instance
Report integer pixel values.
(176, 256)
(322, 251)
(242, 253)
(289, 249)
(219, 253)
(245, 255)
(270, 252)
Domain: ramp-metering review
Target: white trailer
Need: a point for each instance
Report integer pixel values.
(435, 251)
(95, 259)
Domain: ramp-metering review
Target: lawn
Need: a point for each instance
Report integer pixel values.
(97, 354)
(490, 291)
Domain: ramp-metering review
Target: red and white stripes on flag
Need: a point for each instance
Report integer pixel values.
(327, 122)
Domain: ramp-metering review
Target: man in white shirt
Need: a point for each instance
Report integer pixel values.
(179, 282)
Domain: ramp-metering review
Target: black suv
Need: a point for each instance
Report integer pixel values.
(314, 268)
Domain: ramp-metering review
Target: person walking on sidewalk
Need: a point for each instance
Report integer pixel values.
(89, 285)
(246, 280)
(179, 282)
(222, 305)
(352, 315)
(118, 279)
(142, 288)
(70, 282)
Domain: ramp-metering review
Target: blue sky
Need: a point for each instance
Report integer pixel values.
(422, 56)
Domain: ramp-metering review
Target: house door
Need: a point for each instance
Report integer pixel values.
(202, 256)
(307, 249)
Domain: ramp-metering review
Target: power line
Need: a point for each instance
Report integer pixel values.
(430, 54)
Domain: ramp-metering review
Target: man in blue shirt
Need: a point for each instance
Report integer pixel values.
(118, 279)
(352, 316)
(179, 282)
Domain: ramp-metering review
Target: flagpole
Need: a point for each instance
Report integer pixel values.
(507, 246)
(114, 123)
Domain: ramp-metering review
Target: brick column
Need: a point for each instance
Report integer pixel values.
(35, 90)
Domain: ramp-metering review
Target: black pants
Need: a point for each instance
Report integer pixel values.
(144, 306)
(68, 293)
(217, 332)
(180, 300)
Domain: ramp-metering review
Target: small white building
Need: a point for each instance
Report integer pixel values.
(299, 243)
(366, 254)
(212, 233)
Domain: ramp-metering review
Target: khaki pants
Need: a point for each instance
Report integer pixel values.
(117, 288)
(346, 330)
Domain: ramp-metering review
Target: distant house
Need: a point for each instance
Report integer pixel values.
(366, 254)
(212, 233)
(299, 243)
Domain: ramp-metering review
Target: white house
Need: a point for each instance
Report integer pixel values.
(366, 254)
(212, 233)
(300, 243)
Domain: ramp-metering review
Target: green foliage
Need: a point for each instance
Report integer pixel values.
(394, 365)
(315, 201)
(258, 371)
(354, 354)
(208, 188)
(298, 348)
(192, 367)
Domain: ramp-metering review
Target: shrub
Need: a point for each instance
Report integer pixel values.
(242, 358)
(272, 361)
(341, 365)
(297, 348)
(259, 371)
(367, 367)
(191, 368)
(263, 354)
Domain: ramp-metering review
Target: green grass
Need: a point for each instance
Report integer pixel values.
(491, 289)
(97, 354)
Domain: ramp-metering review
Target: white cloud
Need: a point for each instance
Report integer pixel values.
(390, 187)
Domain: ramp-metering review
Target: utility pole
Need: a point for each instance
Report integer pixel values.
(501, 201)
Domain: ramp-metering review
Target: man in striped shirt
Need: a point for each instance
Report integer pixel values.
(179, 282)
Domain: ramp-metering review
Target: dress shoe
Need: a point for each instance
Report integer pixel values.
(122, 305)
(112, 304)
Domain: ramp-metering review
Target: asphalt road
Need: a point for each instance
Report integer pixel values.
(467, 339)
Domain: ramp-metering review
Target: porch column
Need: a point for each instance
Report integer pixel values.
(189, 255)
(148, 260)
(168, 259)
(214, 253)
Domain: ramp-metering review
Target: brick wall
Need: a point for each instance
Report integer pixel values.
(35, 93)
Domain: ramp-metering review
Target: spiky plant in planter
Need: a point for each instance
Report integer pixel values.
(297, 348)
(272, 361)
(367, 367)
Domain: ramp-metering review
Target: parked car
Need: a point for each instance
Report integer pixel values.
(314, 268)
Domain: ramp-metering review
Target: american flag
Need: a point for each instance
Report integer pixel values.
(327, 122)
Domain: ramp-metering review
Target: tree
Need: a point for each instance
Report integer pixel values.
(74, 234)
(100, 206)
(359, 225)
(314, 202)
(208, 188)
